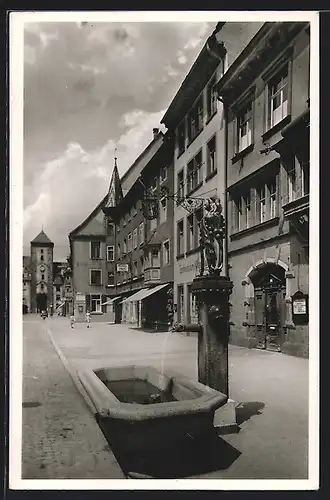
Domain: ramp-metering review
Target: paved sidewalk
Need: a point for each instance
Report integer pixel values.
(270, 390)
(61, 439)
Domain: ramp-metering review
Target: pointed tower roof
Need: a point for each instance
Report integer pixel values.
(42, 239)
(115, 193)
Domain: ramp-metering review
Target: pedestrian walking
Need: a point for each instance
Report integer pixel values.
(72, 320)
(88, 318)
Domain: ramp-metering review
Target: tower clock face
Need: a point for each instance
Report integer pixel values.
(42, 268)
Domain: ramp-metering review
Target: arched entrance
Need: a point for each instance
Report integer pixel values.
(41, 302)
(269, 285)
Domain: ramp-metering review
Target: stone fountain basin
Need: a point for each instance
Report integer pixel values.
(192, 411)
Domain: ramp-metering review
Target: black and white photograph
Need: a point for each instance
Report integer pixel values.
(164, 183)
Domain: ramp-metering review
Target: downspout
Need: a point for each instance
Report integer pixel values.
(225, 208)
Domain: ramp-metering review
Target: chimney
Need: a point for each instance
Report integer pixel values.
(155, 131)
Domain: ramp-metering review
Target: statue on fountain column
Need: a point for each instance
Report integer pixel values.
(211, 237)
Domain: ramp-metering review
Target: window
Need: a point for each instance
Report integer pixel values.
(244, 128)
(110, 228)
(261, 205)
(41, 287)
(42, 276)
(135, 235)
(247, 209)
(110, 253)
(135, 269)
(95, 277)
(198, 221)
(181, 185)
(58, 288)
(181, 137)
(180, 238)
(277, 108)
(166, 252)
(211, 157)
(163, 173)
(96, 303)
(111, 279)
(41, 257)
(195, 120)
(154, 258)
(194, 172)
(190, 232)
(41, 250)
(180, 304)
(271, 186)
(95, 249)
(211, 98)
(141, 233)
(162, 210)
(238, 214)
(292, 182)
(304, 176)
(129, 242)
(118, 250)
(125, 246)
(242, 211)
(142, 264)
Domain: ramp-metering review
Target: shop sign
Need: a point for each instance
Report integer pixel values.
(122, 268)
(300, 308)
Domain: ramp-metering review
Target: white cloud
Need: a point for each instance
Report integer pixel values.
(72, 184)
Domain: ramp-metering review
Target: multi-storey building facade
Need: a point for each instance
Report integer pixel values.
(41, 265)
(113, 252)
(266, 92)
(195, 118)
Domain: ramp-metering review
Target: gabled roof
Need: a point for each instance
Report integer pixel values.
(42, 239)
(89, 217)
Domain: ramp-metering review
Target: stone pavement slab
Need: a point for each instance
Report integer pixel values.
(270, 390)
(61, 439)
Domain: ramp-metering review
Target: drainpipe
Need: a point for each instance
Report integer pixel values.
(225, 209)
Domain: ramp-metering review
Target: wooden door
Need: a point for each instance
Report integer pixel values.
(259, 305)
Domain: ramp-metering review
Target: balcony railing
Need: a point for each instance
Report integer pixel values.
(152, 275)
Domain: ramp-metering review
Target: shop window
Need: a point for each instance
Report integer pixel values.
(96, 303)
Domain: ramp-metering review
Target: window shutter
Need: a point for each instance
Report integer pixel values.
(88, 302)
(104, 307)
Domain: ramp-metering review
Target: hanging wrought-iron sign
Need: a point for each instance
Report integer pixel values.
(150, 206)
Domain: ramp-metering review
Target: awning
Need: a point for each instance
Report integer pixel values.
(62, 304)
(110, 301)
(135, 296)
(144, 293)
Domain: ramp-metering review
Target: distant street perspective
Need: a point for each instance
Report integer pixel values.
(165, 287)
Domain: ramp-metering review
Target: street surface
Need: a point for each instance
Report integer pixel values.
(270, 391)
(61, 439)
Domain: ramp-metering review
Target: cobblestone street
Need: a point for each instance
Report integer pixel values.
(61, 440)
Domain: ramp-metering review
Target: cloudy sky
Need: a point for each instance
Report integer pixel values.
(88, 89)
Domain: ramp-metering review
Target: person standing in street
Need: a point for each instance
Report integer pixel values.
(72, 320)
(88, 318)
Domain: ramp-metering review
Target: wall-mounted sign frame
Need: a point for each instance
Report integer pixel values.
(300, 308)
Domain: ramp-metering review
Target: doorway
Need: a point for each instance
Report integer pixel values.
(269, 303)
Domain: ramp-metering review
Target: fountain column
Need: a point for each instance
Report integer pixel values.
(212, 294)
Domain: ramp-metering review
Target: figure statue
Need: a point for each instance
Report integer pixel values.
(212, 234)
